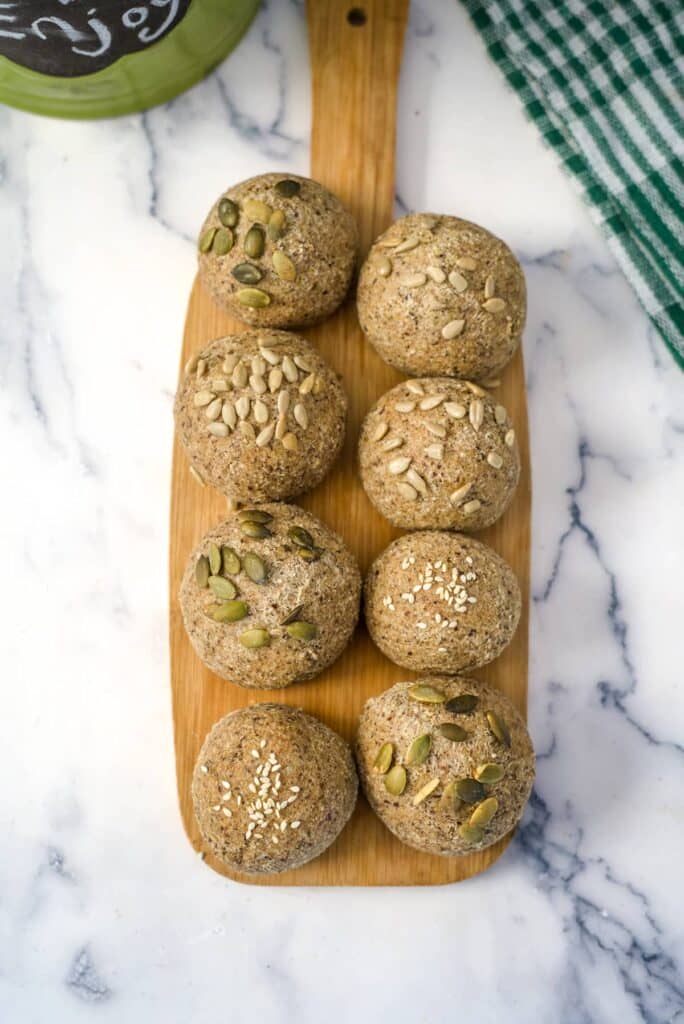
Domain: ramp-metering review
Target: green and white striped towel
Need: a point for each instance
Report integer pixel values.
(603, 81)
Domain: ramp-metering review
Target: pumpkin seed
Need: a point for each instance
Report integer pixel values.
(470, 833)
(247, 273)
(310, 554)
(256, 210)
(489, 774)
(383, 760)
(395, 780)
(255, 298)
(253, 638)
(301, 630)
(202, 571)
(426, 694)
(499, 728)
(451, 731)
(255, 567)
(228, 212)
(254, 242)
(463, 704)
(223, 242)
(258, 531)
(230, 611)
(287, 188)
(470, 791)
(283, 266)
(207, 239)
(223, 588)
(214, 559)
(254, 515)
(301, 537)
(231, 561)
(293, 616)
(419, 749)
(276, 225)
(425, 791)
(449, 800)
(484, 812)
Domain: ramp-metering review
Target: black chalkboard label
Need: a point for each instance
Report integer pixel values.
(65, 38)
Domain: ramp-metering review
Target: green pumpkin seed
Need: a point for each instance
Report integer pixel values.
(395, 780)
(383, 760)
(230, 611)
(253, 297)
(231, 561)
(276, 225)
(257, 210)
(202, 571)
(259, 531)
(283, 266)
(247, 273)
(426, 694)
(470, 833)
(206, 239)
(224, 589)
(223, 242)
(293, 616)
(310, 554)
(253, 638)
(254, 242)
(499, 728)
(484, 812)
(254, 567)
(419, 749)
(302, 630)
(254, 515)
(470, 791)
(301, 537)
(451, 731)
(462, 705)
(287, 188)
(228, 212)
(489, 774)
(214, 559)
(449, 800)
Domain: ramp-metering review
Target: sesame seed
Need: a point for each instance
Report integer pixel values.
(204, 769)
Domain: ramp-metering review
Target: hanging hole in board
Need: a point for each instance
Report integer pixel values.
(356, 17)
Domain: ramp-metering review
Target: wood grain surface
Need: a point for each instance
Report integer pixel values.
(355, 71)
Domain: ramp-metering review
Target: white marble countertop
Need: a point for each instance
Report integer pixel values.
(106, 914)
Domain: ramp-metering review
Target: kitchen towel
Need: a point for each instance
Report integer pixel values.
(603, 80)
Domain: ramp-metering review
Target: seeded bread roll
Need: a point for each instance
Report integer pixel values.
(278, 251)
(446, 763)
(261, 416)
(438, 452)
(441, 296)
(270, 597)
(272, 788)
(441, 602)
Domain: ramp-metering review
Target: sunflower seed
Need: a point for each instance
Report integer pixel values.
(308, 384)
(198, 476)
(228, 212)
(275, 379)
(203, 398)
(218, 429)
(405, 406)
(470, 833)
(270, 356)
(413, 280)
(202, 572)
(283, 266)
(451, 731)
(457, 281)
(191, 365)
(489, 774)
(255, 567)
(224, 589)
(452, 329)
(495, 460)
(383, 759)
(283, 402)
(406, 491)
(383, 266)
(418, 750)
(509, 439)
(416, 480)
(466, 263)
(290, 442)
(247, 430)
(239, 377)
(455, 410)
(431, 402)
(475, 389)
(219, 384)
(462, 704)
(302, 363)
(436, 429)
(500, 415)
(426, 694)
(470, 791)
(287, 188)
(494, 305)
(223, 242)
(392, 443)
(489, 287)
(476, 413)
(395, 780)
(215, 558)
(301, 537)
(257, 384)
(379, 431)
(230, 362)
(301, 416)
(260, 412)
(247, 273)
(206, 239)
(460, 493)
(253, 638)
(257, 210)
(499, 728)
(242, 407)
(213, 410)
(425, 791)
(289, 369)
(254, 515)
(231, 562)
(387, 243)
(265, 435)
(302, 630)
(228, 415)
(281, 428)
(293, 616)
(253, 297)
(409, 243)
(472, 506)
(415, 387)
(399, 465)
(484, 813)
(491, 383)
(276, 225)
(435, 451)
(436, 274)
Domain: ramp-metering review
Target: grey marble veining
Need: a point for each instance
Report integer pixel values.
(105, 912)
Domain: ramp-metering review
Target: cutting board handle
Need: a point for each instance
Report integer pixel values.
(355, 57)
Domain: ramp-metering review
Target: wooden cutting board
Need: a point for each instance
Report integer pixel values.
(355, 72)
